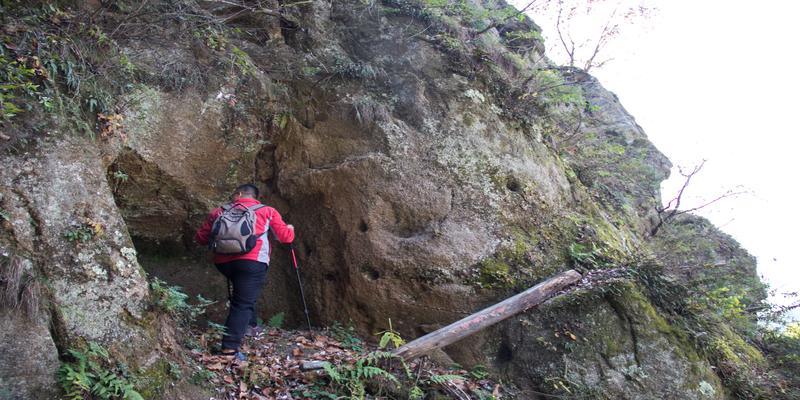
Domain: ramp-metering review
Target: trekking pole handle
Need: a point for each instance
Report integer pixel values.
(294, 258)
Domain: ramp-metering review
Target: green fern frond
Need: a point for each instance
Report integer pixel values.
(442, 379)
(276, 321)
(332, 372)
(416, 393)
(370, 372)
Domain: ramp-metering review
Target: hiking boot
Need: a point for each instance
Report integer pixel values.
(235, 356)
(254, 331)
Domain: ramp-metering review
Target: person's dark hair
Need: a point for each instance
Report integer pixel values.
(248, 189)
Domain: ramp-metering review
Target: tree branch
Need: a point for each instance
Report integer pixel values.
(672, 209)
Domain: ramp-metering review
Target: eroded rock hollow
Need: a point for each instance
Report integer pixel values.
(428, 169)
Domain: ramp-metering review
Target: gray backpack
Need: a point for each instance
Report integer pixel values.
(234, 230)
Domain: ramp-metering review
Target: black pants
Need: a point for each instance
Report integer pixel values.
(248, 279)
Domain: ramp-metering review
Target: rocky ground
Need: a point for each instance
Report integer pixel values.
(273, 370)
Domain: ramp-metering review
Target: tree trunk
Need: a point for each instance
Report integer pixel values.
(488, 316)
(481, 319)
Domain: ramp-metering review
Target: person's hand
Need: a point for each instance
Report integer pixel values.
(290, 226)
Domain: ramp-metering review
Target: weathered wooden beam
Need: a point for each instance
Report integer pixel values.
(479, 320)
(488, 316)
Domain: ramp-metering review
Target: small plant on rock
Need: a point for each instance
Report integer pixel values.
(79, 234)
(390, 336)
(173, 301)
(347, 336)
(351, 380)
(276, 321)
(89, 376)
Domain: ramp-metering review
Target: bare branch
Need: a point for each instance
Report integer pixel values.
(729, 193)
(605, 34)
(672, 209)
(569, 50)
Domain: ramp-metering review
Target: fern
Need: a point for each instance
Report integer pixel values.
(87, 377)
(442, 379)
(371, 372)
(276, 321)
(332, 372)
(416, 393)
(350, 381)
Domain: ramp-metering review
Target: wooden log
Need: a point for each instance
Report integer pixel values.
(488, 316)
(479, 320)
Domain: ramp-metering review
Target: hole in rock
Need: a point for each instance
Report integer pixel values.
(331, 277)
(363, 227)
(371, 272)
(512, 184)
(309, 249)
(504, 354)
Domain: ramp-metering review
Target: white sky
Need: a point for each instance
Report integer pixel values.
(716, 80)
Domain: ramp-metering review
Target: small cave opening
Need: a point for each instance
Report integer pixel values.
(504, 353)
(362, 226)
(371, 272)
(331, 277)
(162, 216)
(512, 184)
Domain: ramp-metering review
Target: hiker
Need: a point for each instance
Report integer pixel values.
(242, 255)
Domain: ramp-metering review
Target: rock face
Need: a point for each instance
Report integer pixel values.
(423, 181)
(698, 254)
(29, 359)
(62, 220)
(610, 344)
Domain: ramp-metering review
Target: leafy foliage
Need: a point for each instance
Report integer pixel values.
(351, 379)
(173, 301)
(390, 336)
(79, 234)
(88, 377)
(347, 336)
(18, 78)
(590, 255)
(705, 323)
(241, 60)
(276, 321)
(783, 346)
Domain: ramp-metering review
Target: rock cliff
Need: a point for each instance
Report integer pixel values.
(430, 170)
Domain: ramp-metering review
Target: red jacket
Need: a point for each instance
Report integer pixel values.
(264, 216)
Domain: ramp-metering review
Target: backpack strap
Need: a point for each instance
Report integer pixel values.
(257, 207)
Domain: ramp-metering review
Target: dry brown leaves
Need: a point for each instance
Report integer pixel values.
(110, 125)
(272, 369)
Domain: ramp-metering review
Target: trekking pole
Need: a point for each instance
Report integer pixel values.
(300, 283)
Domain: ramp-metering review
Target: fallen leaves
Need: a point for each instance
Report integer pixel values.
(110, 125)
(215, 367)
(272, 369)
